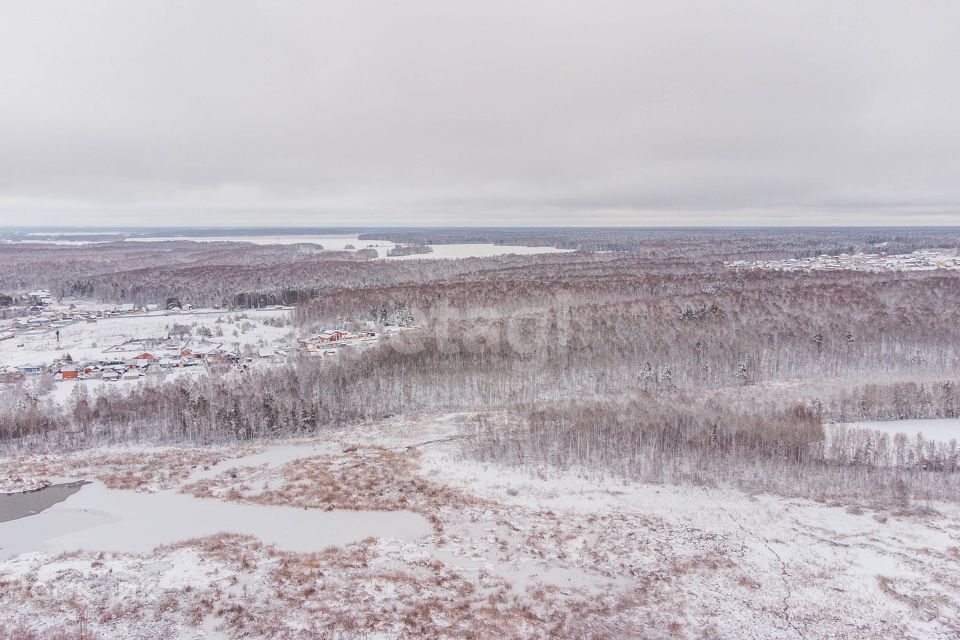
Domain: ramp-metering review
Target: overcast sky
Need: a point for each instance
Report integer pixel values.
(480, 113)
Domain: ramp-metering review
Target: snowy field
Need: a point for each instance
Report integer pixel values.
(940, 430)
(508, 553)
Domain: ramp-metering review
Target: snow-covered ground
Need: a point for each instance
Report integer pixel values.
(513, 553)
(941, 430)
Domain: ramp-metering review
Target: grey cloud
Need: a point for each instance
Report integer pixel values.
(610, 112)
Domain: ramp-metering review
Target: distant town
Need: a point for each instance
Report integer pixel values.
(924, 260)
(68, 340)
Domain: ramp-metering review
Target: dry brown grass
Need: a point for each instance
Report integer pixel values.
(121, 470)
(355, 591)
(363, 589)
(23, 632)
(368, 479)
(748, 582)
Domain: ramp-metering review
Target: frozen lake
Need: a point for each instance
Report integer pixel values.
(331, 242)
(341, 242)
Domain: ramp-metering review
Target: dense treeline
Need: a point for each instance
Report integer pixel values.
(243, 274)
(749, 328)
(843, 334)
(897, 401)
(748, 445)
(755, 437)
(464, 365)
(225, 274)
(652, 433)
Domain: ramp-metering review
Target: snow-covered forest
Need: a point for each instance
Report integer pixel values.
(747, 364)
(500, 385)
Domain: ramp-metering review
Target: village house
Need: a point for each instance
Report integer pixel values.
(31, 369)
(67, 373)
(10, 376)
(335, 338)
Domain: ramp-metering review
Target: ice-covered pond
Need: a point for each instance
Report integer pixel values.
(95, 518)
(14, 506)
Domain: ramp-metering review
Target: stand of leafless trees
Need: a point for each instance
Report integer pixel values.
(675, 440)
